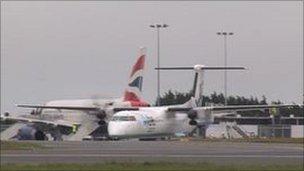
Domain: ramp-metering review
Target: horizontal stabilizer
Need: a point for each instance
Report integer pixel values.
(201, 67)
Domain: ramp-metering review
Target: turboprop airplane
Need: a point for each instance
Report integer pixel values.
(80, 116)
(163, 121)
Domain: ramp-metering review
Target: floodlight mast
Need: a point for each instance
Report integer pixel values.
(158, 27)
(225, 34)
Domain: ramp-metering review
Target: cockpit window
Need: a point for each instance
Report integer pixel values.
(123, 118)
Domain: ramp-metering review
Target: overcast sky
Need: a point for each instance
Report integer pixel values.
(65, 50)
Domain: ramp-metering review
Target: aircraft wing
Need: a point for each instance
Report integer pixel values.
(59, 107)
(179, 109)
(117, 109)
(207, 114)
(41, 121)
(229, 108)
(247, 107)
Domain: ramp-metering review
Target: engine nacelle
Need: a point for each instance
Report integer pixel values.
(200, 116)
(192, 114)
(6, 114)
(30, 133)
(100, 114)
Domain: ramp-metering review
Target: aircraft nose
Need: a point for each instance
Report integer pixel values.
(115, 129)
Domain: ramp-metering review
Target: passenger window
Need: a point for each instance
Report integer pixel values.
(132, 118)
(115, 118)
(124, 118)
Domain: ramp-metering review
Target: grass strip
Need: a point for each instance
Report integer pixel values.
(19, 145)
(257, 140)
(147, 166)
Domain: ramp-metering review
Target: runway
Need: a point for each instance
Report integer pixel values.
(169, 151)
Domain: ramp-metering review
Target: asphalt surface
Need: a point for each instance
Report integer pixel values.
(150, 151)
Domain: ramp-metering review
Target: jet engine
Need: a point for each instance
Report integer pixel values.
(30, 133)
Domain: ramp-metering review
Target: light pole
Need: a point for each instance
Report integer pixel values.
(158, 27)
(225, 34)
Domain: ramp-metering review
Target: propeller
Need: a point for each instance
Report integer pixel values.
(97, 101)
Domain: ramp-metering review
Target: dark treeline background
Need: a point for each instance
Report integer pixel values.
(172, 98)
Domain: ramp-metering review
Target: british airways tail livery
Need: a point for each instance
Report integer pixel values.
(83, 116)
(133, 91)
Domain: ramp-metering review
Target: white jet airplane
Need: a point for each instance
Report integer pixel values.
(154, 122)
(81, 116)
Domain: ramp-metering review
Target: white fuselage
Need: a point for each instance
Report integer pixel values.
(148, 122)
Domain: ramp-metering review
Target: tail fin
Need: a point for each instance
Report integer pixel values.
(199, 77)
(134, 88)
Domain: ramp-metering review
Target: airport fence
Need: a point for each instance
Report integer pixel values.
(261, 131)
(276, 131)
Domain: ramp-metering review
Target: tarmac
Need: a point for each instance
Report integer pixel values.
(162, 151)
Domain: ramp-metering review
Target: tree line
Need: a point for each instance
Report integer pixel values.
(175, 97)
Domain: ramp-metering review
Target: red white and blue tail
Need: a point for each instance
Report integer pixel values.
(134, 88)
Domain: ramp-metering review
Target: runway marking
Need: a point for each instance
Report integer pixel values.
(151, 155)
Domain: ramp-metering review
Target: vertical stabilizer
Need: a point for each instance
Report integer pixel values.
(198, 84)
(134, 88)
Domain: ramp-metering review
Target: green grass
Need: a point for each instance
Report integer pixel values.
(146, 166)
(257, 140)
(278, 140)
(18, 145)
